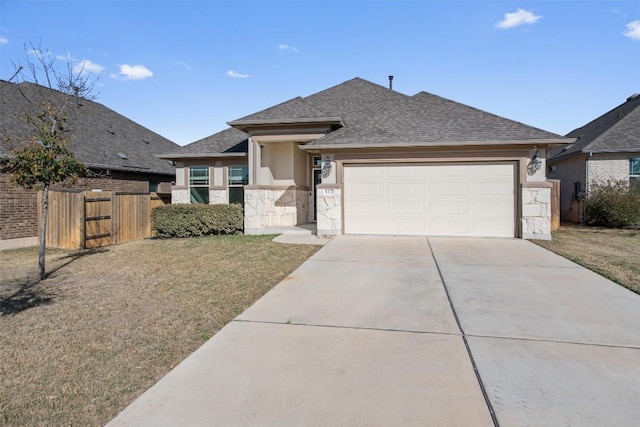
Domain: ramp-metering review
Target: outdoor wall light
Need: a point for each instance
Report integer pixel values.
(536, 162)
(326, 167)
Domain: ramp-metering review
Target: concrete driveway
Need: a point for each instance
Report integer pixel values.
(380, 331)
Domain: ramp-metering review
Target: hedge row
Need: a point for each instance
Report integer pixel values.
(197, 220)
(614, 204)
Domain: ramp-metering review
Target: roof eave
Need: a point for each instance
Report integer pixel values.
(199, 155)
(243, 125)
(128, 169)
(549, 143)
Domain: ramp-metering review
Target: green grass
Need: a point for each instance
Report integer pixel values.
(106, 325)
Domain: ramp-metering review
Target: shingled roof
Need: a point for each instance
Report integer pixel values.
(102, 138)
(616, 131)
(372, 115)
(229, 142)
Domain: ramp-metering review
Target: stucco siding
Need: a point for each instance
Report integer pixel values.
(569, 172)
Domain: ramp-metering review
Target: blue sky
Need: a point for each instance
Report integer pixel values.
(185, 68)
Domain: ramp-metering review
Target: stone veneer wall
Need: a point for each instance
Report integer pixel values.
(218, 197)
(536, 211)
(273, 207)
(180, 196)
(329, 214)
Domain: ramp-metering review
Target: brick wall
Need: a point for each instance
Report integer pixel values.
(18, 211)
(609, 166)
(19, 207)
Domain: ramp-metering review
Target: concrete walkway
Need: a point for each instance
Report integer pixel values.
(380, 331)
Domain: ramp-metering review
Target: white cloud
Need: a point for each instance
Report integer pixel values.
(286, 47)
(633, 30)
(235, 75)
(67, 57)
(87, 66)
(133, 72)
(183, 65)
(4, 40)
(515, 19)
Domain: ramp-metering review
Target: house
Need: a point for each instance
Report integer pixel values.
(360, 158)
(606, 149)
(120, 152)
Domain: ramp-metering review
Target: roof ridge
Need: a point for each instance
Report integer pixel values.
(469, 107)
(637, 100)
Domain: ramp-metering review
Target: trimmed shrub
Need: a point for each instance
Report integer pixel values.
(197, 220)
(613, 204)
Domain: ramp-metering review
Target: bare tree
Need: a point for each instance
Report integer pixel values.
(41, 156)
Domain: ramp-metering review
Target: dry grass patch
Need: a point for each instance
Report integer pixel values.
(78, 347)
(613, 253)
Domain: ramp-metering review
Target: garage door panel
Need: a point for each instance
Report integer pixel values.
(492, 208)
(490, 227)
(449, 188)
(407, 207)
(406, 189)
(408, 226)
(364, 224)
(492, 188)
(406, 172)
(449, 227)
(449, 207)
(451, 171)
(491, 171)
(430, 199)
(365, 189)
(364, 172)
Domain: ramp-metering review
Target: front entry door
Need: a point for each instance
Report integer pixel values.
(317, 179)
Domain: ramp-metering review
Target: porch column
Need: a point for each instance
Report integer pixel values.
(536, 210)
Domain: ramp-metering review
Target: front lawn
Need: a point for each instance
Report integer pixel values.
(106, 325)
(613, 253)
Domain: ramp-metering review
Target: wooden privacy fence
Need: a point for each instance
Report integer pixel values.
(89, 219)
(555, 204)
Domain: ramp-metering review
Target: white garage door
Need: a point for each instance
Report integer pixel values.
(462, 199)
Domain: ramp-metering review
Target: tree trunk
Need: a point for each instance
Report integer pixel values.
(43, 233)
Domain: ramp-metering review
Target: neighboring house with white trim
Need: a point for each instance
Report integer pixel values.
(360, 158)
(605, 149)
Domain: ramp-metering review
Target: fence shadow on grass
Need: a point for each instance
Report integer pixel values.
(27, 293)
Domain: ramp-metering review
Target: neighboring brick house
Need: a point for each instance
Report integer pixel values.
(122, 153)
(606, 149)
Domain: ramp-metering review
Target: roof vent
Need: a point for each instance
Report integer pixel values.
(122, 156)
(633, 97)
(391, 82)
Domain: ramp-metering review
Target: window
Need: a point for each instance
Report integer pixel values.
(199, 184)
(238, 178)
(634, 172)
(634, 166)
(153, 186)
